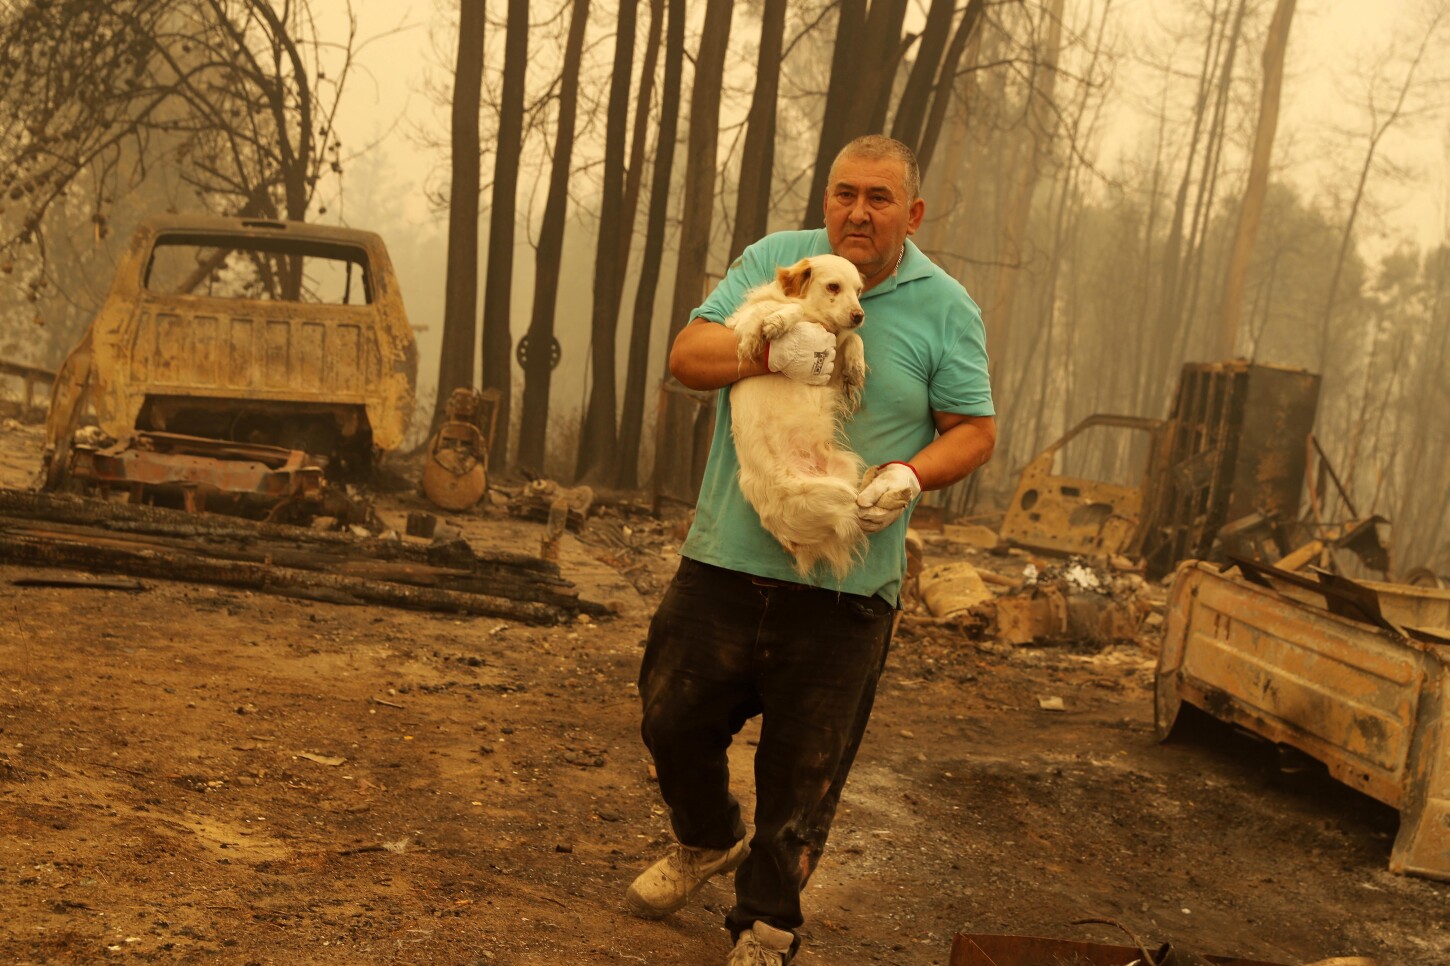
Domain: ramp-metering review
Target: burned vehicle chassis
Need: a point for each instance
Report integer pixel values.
(216, 330)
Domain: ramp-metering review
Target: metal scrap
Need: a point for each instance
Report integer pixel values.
(1073, 514)
(543, 499)
(194, 469)
(1352, 673)
(1233, 450)
(455, 471)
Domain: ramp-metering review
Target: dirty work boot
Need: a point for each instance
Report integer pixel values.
(761, 945)
(669, 883)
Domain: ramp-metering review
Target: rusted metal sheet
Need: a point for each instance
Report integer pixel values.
(237, 365)
(455, 473)
(1412, 606)
(1236, 449)
(951, 588)
(1073, 515)
(1051, 615)
(161, 464)
(1001, 950)
(1347, 688)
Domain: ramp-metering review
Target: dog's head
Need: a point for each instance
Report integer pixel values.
(830, 288)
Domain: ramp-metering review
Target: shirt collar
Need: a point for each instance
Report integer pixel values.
(913, 265)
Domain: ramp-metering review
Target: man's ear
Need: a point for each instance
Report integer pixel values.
(795, 279)
(914, 213)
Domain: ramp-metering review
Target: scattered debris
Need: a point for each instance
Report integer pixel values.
(999, 950)
(1051, 612)
(329, 760)
(638, 546)
(537, 499)
(1070, 602)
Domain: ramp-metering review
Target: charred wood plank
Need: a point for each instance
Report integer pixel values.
(117, 555)
(133, 518)
(513, 585)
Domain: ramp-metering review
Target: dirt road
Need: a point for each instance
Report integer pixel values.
(190, 773)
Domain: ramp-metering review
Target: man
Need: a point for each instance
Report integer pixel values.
(737, 634)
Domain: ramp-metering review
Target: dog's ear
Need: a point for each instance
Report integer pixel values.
(793, 280)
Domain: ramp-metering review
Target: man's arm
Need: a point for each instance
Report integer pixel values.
(962, 444)
(706, 355)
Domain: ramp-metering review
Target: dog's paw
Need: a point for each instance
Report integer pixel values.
(853, 368)
(781, 321)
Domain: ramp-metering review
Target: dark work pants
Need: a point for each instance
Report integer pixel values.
(723, 648)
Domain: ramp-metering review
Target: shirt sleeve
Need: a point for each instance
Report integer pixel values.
(960, 384)
(753, 267)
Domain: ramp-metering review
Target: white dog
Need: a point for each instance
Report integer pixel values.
(794, 469)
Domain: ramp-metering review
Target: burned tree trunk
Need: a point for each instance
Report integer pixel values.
(460, 291)
(498, 288)
(846, 60)
(1252, 209)
(757, 162)
(699, 189)
(539, 351)
(597, 435)
(911, 111)
(946, 84)
(632, 415)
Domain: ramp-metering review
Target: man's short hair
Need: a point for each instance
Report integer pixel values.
(879, 147)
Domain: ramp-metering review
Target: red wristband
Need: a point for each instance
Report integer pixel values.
(908, 466)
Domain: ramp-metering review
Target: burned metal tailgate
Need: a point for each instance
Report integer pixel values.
(1364, 699)
(324, 354)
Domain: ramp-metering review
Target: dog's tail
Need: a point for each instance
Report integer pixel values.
(812, 515)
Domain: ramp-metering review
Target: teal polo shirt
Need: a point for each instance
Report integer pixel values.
(926, 349)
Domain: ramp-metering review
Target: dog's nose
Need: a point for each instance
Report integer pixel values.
(857, 317)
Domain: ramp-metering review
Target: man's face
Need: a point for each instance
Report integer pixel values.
(868, 215)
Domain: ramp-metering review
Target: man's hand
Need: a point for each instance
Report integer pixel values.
(886, 490)
(805, 353)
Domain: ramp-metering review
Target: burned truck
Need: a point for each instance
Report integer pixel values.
(235, 356)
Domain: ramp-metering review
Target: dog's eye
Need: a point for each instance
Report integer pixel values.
(833, 288)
